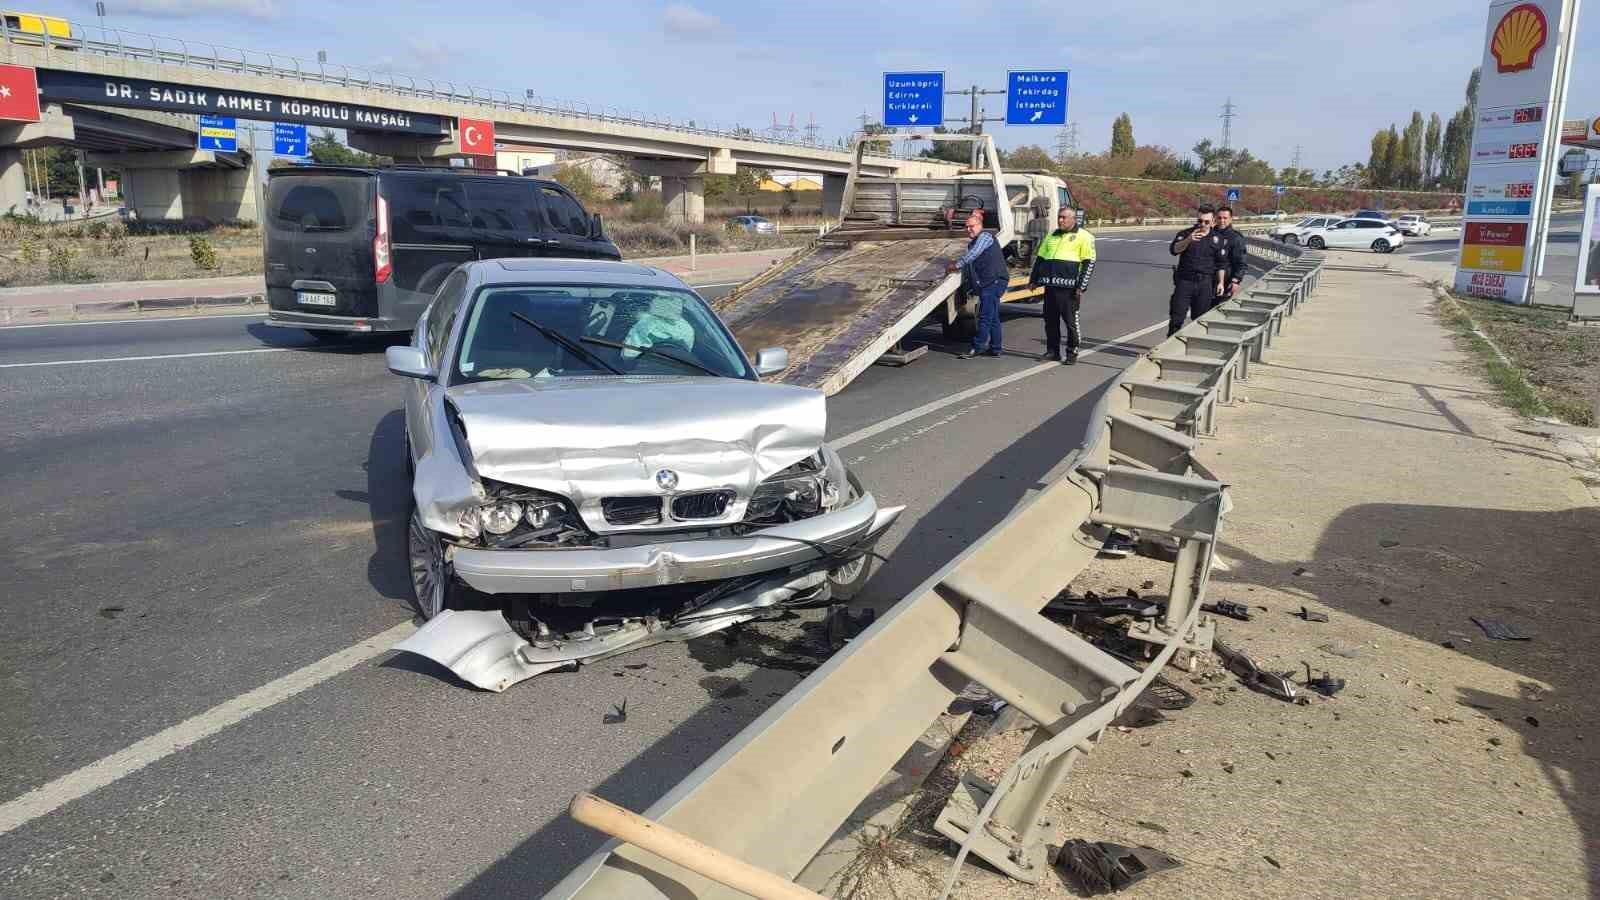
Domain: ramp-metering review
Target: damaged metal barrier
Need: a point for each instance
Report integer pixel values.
(776, 793)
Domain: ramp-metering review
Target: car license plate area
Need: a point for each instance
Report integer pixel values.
(316, 298)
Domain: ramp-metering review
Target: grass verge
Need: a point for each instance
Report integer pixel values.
(1538, 363)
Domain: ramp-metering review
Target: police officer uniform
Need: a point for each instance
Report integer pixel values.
(1063, 266)
(1194, 279)
(1237, 251)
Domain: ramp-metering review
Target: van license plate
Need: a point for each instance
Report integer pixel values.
(312, 298)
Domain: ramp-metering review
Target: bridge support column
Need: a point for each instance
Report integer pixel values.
(832, 195)
(13, 184)
(185, 184)
(685, 198)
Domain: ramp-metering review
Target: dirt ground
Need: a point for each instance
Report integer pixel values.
(1560, 360)
(1375, 480)
(110, 254)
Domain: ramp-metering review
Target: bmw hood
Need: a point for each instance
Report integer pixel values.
(589, 438)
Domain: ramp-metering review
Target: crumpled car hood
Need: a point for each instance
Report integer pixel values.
(593, 437)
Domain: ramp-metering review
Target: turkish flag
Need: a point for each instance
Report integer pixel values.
(19, 94)
(476, 136)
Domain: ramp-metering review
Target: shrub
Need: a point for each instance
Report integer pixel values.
(28, 249)
(203, 254)
(59, 261)
(117, 245)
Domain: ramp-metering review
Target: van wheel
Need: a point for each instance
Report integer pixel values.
(331, 338)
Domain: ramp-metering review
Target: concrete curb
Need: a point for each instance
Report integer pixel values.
(93, 309)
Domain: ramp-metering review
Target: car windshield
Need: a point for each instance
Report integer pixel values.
(1309, 220)
(606, 330)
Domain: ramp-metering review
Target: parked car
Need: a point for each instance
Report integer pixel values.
(1296, 233)
(1357, 234)
(592, 452)
(753, 225)
(351, 250)
(1372, 214)
(1414, 225)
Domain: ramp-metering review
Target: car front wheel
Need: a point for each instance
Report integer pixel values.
(1316, 243)
(430, 574)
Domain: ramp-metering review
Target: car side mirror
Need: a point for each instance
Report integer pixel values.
(408, 362)
(771, 361)
(597, 228)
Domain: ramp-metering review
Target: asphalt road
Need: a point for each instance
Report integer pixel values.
(198, 507)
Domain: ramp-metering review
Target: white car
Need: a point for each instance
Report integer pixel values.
(1376, 235)
(1414, 225)
(1296, 233)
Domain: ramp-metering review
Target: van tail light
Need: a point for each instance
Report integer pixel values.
(381, 259)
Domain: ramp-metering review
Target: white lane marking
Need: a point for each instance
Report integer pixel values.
(153, 321)
(52, 796)
(116, 359)
(856, 437)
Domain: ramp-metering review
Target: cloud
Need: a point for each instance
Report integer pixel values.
(420, 56)
(178, 9)
(683, 20)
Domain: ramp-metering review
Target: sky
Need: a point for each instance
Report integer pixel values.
(1322, 77)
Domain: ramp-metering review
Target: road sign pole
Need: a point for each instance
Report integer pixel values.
(1544, 203)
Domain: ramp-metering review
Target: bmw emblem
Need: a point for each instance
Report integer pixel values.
(666, 479)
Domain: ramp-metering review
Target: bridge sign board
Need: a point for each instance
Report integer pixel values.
(289, 140)
(137, 93)
(1036, 98)
(219, 133)
(913, 99)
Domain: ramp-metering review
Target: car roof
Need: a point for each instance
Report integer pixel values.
(570, 271)
(400, 172)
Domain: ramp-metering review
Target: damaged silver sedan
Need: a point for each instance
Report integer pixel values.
(596, 467)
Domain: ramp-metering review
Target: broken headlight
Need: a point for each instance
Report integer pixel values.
(805, 489)
(518, 516)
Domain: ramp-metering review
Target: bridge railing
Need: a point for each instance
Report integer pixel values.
(142, 46)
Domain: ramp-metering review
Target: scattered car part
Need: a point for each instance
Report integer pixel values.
(1326, 685)
(1104, 607)
(618, 714)
(1103, 867)
(843, 624)
(1228, 608)
(1311, 615)
(1253, 676)
(1119, 544)
(1498, 630)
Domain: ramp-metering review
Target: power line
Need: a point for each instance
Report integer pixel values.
(976, 120)
(1228, 112)
(1067, 142)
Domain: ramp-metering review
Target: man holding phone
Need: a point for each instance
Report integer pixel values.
(1202, 268)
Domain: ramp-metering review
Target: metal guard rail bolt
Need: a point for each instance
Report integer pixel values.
(779, 790)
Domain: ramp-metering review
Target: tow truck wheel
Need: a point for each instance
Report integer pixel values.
(431, 581)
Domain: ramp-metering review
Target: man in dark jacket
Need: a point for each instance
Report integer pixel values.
(1237, 251)
(1062, 267)
(1202, 265)
(983, 272)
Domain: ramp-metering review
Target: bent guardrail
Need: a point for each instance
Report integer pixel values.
(776, 793)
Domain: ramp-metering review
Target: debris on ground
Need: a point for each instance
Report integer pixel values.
(1498, 630)
(1104, 868)
(1340, 650)
(844, 624)
(1119, 544)
(1253, 676)
(1311, 615)
(1228, 608)
(618, 714)
(1326, 684)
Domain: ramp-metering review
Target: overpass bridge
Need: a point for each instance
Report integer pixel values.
(407, 117)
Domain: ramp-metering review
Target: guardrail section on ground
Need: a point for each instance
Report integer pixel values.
(776, 793)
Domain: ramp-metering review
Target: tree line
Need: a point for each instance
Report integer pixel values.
(1431, 156)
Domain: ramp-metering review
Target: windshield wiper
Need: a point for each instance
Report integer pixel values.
(568, 343)
(653, 351)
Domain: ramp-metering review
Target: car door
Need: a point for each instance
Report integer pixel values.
(1345, 234)
(568, 226)
(506, 218)
(432, 337)
(431, 222)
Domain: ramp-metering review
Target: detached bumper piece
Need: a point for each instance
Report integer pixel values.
(1105, 868)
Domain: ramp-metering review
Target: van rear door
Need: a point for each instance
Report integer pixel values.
(431, 222)
(319, 243)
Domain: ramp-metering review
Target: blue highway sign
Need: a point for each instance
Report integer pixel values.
(219, 133)
(913, 99)
(1279, 189)
(1036, 98)
(1234, 194)
(289, 140)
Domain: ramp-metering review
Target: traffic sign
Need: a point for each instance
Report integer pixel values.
(289, 140)
(1234, 194)
(1036, 98)
(1279, 189)
(219, 133)
(913, 99)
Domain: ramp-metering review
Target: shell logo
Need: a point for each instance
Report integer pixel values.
(1522, 32)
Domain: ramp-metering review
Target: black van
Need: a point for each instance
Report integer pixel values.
(353, 249)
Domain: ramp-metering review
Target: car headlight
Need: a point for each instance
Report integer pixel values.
(805, 489)
(500, 518)
(515, 516)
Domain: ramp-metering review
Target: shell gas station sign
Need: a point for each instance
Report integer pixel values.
(1514, 143)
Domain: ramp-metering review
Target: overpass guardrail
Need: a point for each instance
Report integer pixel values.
(150, 48)
(778, 791)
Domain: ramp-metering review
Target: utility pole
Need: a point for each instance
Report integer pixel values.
(1067, 142)
(1227, 124)
(1296, 160)
(976, 120)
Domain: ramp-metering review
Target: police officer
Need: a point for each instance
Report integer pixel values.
(1237, 251)
(983, 272)
(1202, 264)
(1062, 267)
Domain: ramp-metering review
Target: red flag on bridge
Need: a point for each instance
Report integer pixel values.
(19, 94)
(476, 136)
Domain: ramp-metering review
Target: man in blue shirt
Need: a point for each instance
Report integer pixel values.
(983, 272)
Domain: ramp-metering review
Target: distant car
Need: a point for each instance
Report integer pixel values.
(1414, 225)
(1296, 233)
(1356, 233)
(1275, 216)
(1372, 214)
(753, 225)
